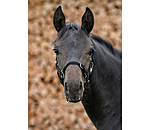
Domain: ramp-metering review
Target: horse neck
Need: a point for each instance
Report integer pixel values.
(102, 96)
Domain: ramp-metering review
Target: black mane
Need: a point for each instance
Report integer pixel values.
(107, 45)
(73, 26)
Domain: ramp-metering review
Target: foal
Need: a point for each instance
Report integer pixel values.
(90, 69)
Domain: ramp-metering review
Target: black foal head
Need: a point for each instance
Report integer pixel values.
(74, 51)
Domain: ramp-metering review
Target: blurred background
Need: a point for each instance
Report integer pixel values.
(47, 107)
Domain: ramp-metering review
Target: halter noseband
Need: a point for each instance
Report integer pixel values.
(87, 74)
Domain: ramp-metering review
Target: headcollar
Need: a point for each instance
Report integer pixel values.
(86, 74)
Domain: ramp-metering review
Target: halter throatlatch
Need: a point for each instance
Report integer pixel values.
(87, 74)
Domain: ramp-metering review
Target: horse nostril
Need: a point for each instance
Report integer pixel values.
(80, 88)
(66, 88)
(81, 85)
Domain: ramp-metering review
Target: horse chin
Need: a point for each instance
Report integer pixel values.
(75, 100)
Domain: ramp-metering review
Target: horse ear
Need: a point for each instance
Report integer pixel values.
(59, 19)
(87, 21)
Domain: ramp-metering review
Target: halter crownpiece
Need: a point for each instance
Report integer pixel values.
(87, 74)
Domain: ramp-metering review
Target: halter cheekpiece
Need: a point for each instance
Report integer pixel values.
(87, 74)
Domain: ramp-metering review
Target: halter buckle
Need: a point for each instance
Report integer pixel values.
(81, 66)
(91, 69)
(62, 74)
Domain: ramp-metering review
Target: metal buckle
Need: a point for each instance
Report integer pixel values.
(91, 69)
(81, 66)
(62, 74)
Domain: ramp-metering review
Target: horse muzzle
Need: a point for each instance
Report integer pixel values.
(73, 90)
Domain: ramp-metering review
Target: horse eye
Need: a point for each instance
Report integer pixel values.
(56, 51)
(91, 51)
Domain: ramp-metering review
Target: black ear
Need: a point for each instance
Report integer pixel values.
(87, 21)
(59, 19)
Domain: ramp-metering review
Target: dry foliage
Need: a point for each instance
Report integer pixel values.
(48, 109)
